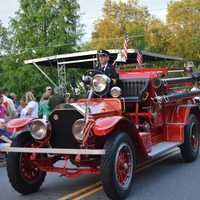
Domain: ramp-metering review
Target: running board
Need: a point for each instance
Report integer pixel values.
(162, 147)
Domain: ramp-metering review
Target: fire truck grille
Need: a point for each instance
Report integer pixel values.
(133, 87)
(61, 128)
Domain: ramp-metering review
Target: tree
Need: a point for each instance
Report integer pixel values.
(184, 21)
(40, 28)
(20, 78)
(157, 36)
(117, 19)
(40, 25)
(4, 44)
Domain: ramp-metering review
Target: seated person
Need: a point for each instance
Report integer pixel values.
(106, 67)
(4, 135)
(103, 67)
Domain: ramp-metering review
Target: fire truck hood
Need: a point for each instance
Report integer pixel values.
(99, 106)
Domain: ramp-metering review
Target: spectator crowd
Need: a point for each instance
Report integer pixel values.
(28, 106)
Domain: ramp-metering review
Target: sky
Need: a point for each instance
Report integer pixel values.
(91, 10)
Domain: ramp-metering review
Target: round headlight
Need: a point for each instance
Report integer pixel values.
(100, 82)
(116, 92)
(77, 129)
(39, 129)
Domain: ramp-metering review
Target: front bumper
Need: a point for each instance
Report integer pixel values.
(6, 148)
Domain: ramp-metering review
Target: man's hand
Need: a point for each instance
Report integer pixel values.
(114, 81)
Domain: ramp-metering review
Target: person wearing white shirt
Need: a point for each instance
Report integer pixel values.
(31, 109)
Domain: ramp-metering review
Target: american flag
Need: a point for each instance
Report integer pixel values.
(139, 58)
(126, 46)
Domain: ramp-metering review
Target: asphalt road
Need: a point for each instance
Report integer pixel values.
(171, 179)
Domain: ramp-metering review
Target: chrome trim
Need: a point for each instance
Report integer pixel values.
(78, 108)
(53, 150)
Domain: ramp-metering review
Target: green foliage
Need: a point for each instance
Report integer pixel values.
(180, 35)
(184, 21)
(40, 28)
(157, 36)
(20, 78)
(4, 42)
(49, 27)
(42, 24)
(119, 18)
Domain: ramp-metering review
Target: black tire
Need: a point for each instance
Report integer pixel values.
(190, 151)
(17, 180)
(109, 179)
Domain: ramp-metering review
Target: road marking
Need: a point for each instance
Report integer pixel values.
(90, 190)
(79, 192)
(89, 193)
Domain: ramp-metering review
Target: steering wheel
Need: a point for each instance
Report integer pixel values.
(89, 74)
(93, 72)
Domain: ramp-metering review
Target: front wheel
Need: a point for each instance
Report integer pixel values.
(23, 175)
(117, 166)
(190, 147)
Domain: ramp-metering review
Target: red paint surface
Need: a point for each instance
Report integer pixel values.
(105, 125)
(18, 124)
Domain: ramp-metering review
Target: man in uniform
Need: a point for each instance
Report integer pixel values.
(106, 67)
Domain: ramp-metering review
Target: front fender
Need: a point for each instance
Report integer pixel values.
(105, 125)
(19, 124)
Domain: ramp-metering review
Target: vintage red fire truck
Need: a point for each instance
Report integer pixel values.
(143, 117)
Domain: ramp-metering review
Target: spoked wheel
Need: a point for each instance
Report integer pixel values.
(194, 138)
(124, 166)
(190, 147)
(24, 176)
(117, 166)
(29, 172)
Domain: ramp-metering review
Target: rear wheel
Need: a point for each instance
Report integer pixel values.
(117, 166)
(190, 147)
(23, 175)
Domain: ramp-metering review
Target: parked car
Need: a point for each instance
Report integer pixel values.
(142, 118)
